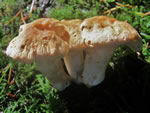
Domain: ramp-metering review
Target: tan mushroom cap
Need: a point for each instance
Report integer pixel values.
(102, 35)
(73, 28)
(109, 30)
(42, 37)
(44, 41)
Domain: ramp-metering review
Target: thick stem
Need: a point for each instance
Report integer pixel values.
(74, 63)
(52, 68)
(97, 59)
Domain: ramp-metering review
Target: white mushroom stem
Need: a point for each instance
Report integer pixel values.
(74, 63)
(102, 35)
(96, 61)
(74, 59)
(52, 68)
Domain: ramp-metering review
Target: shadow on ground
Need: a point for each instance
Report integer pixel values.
(126, 88)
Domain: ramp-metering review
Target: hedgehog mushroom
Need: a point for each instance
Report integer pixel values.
(102, 35)
(74, 60)
(44, 41)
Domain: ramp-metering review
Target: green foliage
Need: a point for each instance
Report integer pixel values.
(10, 21)
(75, 9)
(27, 90)
(8, 9)
(32, 91)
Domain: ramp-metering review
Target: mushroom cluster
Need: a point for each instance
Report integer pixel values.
(72, 50)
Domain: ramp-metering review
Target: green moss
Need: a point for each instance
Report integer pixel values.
(32, 91)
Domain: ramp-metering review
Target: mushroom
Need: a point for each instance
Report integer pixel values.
(102, 35)
(74, 60)
(46, 42)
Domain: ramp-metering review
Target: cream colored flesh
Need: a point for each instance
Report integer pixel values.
(52, 68)
(96, 61)
(74, 63)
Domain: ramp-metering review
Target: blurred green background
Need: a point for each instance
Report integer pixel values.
(126, 88)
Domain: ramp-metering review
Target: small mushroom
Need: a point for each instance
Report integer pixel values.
(102, 35)
(46, 42)
(74, 60)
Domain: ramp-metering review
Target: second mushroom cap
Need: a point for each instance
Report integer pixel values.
(102, 35)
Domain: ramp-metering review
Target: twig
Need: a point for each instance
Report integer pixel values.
(9, 75)
(116, 8)
(32, 5)
(147, 44)
(148, 13)
(143, 14)
(19, 12)
(5, 67)
(7, 6)
(12, 82)
(11, 95)
(127, 5)
(22, 18)
(112, 9)
(27, 17)
(102, 0)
